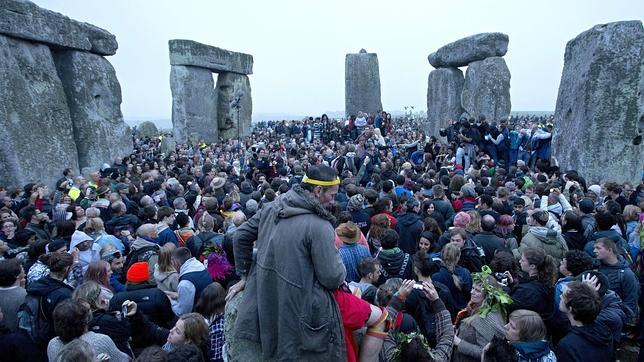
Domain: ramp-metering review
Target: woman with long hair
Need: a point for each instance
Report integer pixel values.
(211, 305)
(379, 224)
(455, 277)
(572, 230)
(505, 229)
(473, 227)
(100, 273)
(482, 319)
(165, 275)
(534, 290)
(191, 329)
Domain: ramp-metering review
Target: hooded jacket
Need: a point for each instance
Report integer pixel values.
(288, 305)
(622, 281)
(534, 351)
(613, 235)
(192, 277)
(51, 292)
(540, 237)
(591, 343)
(612, 315)
(409, 228)
(150, 301)
(395, 264)
(89, 255)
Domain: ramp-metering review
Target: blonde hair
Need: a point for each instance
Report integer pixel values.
(450, 255)
(474, 226)
(631, 213)
(94, 225)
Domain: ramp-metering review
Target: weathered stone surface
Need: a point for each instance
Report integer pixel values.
(361, 83)
(147, 129)
(234, 117)
(194, 103)
(192, 53)
(486, 89)
(601, 102)
(35, 126)
(467, 50)
(444, 87)
(26, 20)
(167, 145)
(94, 101)
(238, 349)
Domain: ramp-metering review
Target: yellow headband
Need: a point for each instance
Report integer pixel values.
(321, 183)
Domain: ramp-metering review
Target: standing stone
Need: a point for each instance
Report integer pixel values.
(26, 20)
(487, 89)
(444, 87)
(167, 145)
(35, 127)
(471, 49)
(601, 102)
(361, 83)
(238, 349)
(147, 129)
(94, 101)
(230, 88)
(192, 53)
(194, 103)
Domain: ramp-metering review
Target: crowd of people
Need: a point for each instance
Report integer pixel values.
(360, 239)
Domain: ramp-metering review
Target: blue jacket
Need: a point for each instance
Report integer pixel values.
(534, 351)
(167, 236)
(591, 343)
(612, 235)
(461, 296)
(622, 281)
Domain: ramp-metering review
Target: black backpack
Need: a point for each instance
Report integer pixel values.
(31, 318)
(142, 254)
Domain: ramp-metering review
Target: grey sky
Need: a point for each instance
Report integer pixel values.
(299, 47)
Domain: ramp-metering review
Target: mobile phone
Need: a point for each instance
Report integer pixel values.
(124, 310)
(418, 286)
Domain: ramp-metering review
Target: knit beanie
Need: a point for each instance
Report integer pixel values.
(138, 273)
(251, 205)
(462, 219)
(356, 202)
(468, 190)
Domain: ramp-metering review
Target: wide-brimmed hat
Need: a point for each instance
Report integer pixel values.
(348, 232)
(217, 182)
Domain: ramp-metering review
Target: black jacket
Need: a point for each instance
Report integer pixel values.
(591, 343)
(149, 299)
(113, 326)
(424, 311)
(51, 292)
(396, 264)
(490, 244)
(122, 222)
(409, 228)
(532, 294)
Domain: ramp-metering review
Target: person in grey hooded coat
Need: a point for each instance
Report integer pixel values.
(288, 305)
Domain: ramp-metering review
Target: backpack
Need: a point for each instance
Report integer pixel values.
(209, 245)
(31, 318)
(138, 255)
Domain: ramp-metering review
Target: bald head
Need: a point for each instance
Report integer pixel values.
(147, 230)
(488, 223)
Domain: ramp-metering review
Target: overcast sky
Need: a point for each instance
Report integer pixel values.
(299, 46)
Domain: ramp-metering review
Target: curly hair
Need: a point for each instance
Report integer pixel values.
(71, 319)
